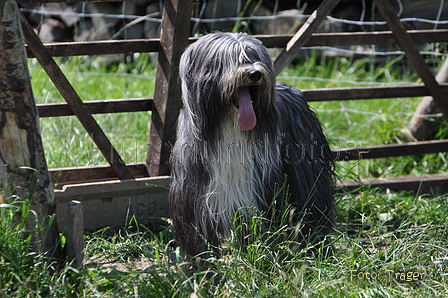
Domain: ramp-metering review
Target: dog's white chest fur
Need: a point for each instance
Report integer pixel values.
(234, 181)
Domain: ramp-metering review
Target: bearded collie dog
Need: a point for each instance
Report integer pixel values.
(241, 137)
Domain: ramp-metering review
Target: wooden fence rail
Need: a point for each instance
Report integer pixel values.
(109, 106)
(104, 47)
(374, 92)
(321, 94)
(65, 176)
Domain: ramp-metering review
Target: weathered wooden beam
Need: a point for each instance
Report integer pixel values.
(23, 167)
(100, 47)
(412, 53)
(75, 233)
(63, 176)
(97, 107)
(104, 47)
(75, 102)
(423, 123)
(391, 150)
(304, 33)
(337, 39)
(167, 94)
(374, 92)
(321, 94)
(428, 184)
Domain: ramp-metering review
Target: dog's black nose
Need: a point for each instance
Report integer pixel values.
(255, 75)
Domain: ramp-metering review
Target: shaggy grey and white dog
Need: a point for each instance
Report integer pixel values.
(241, 137)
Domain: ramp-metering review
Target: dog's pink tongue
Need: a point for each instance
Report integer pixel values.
(246, 115)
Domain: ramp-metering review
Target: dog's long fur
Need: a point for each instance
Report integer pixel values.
(225, 159)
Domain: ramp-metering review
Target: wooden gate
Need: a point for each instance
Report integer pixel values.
(112, 192)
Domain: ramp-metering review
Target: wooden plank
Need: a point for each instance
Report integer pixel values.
(391, 150)
(69, 175)
(413, 54)
(304, 33)
(167, 93)
(23, 167)
(374, 92)
(321, 94)
(104, 47)
(97, 107)
(62, 176)
(100, 47)
(424, 122)
(75, 233)
(428, 184)
(357, 38)
(76, 104)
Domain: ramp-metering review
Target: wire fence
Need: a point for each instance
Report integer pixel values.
(122, 18)
(43, 11)
(142, 20)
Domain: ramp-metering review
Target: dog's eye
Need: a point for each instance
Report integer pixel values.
(251, 54)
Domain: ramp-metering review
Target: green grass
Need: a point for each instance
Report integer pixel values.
(66, 142)
(385, 245)
(384, 235)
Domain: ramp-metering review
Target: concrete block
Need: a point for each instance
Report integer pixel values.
(111, 203)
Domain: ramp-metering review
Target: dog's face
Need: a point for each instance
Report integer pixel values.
(228, 71)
